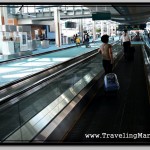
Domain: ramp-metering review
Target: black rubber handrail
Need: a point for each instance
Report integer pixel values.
(40, 72)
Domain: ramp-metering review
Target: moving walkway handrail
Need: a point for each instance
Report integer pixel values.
(145, 51)
(15, 96)
(146, 55)
(14, 87)
(27, 80)
(146, 60)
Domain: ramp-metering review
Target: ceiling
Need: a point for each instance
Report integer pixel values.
(126, 13)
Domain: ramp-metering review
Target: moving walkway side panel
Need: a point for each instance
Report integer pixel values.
(62, 124)
(70, 114)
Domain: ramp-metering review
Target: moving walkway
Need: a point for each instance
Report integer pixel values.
(124, 119)
(27, 112)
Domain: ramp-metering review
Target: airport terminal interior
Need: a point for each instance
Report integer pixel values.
(52, 80)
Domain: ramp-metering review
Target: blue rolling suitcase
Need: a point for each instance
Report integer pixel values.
(111, 83)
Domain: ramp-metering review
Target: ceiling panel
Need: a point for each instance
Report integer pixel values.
(126, 13)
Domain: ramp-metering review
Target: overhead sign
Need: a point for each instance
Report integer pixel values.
(101, 15)
(70, 24)
(132, 27)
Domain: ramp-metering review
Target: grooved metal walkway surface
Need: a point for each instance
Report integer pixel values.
(127, 116)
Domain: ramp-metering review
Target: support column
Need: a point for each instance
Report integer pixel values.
(57, 27)
(102, 28)
(111, 29)
(115, 29)
(108, 28)
(1, 23)
(81, 28)
(94, 31)
(3, 16)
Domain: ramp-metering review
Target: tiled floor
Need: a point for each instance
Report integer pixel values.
(22, 67)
